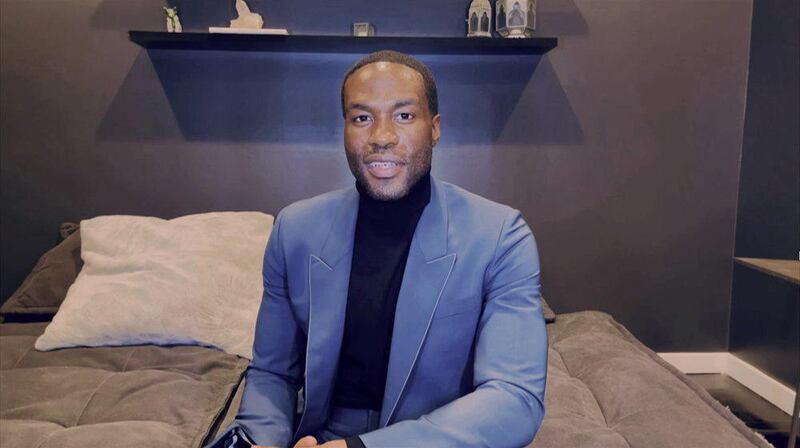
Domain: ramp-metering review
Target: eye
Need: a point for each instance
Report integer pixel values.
(361, 119)
(405, 116)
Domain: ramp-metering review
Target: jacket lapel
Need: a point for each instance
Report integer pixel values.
(426, 273)
(328, 280)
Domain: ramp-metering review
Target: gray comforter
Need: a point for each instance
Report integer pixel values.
(605, 389)
(138, 396)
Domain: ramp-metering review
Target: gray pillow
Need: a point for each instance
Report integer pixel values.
(194, 279)
(46, 286)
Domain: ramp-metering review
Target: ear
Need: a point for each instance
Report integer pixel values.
(436, 129)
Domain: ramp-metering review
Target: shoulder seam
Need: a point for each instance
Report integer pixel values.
(492, 263)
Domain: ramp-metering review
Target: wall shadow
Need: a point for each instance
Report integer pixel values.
(561, 18)
(140, 110)
(294, 98)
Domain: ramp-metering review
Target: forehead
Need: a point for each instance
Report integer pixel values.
(384, 81)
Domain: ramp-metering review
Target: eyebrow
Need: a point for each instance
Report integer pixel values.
(352, 106)
(405, 103)
(397, 105)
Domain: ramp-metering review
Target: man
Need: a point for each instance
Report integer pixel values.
(407, 309)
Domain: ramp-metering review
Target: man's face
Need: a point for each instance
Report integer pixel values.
(389, 133)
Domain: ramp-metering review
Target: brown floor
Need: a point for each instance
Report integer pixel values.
(756, 412)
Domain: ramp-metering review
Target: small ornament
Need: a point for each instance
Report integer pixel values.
(246, 18)
(479, 19)
(516, 18)
(173, 21)
(363, 29)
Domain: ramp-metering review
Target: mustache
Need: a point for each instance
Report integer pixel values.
(383, 157)
(378, 150)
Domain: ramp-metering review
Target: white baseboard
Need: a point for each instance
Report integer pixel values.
(723, 362)
(703, 362)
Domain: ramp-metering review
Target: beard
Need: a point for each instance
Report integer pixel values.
(416, 167)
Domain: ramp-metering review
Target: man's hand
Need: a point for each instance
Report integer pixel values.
(311, 442)
(305, 442)
(334, 444)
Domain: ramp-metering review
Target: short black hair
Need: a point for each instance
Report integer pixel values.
(399, 58)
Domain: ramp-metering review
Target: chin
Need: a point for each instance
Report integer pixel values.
(387, 190)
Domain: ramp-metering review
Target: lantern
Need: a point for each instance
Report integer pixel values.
(479, 19)
(515, 18)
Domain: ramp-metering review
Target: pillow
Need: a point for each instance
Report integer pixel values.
(46, 286)
(192, 280)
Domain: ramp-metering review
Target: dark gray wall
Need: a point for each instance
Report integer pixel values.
(765, 313)
(621, 147)
(765, 324)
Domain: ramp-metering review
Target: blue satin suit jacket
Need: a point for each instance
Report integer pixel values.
(468, 357)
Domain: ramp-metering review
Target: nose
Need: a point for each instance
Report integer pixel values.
(383, 135)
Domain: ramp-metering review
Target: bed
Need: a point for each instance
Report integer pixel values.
(135, 396)
(604, 388)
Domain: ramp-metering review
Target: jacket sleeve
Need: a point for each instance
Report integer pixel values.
(506, 407)
(274, 376)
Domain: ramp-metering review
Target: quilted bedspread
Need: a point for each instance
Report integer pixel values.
(604, 389)
(137, 396)
(607, 390)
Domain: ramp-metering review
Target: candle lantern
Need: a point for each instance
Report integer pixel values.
(479, 19)
(515, 18)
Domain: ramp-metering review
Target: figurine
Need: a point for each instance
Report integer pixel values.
(246, 18)
(173, 21)
(515, 18)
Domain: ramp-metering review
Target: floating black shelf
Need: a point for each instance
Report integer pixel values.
(341, 44)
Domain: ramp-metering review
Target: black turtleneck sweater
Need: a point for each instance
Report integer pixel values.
(382, 240)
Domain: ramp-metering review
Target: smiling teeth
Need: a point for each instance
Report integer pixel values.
(382, 164)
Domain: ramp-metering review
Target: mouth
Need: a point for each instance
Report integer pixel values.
(384, 169)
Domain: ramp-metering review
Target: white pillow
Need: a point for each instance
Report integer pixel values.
(191, 280)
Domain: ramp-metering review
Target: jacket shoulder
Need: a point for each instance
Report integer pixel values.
(318, 207)
(462, 201)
